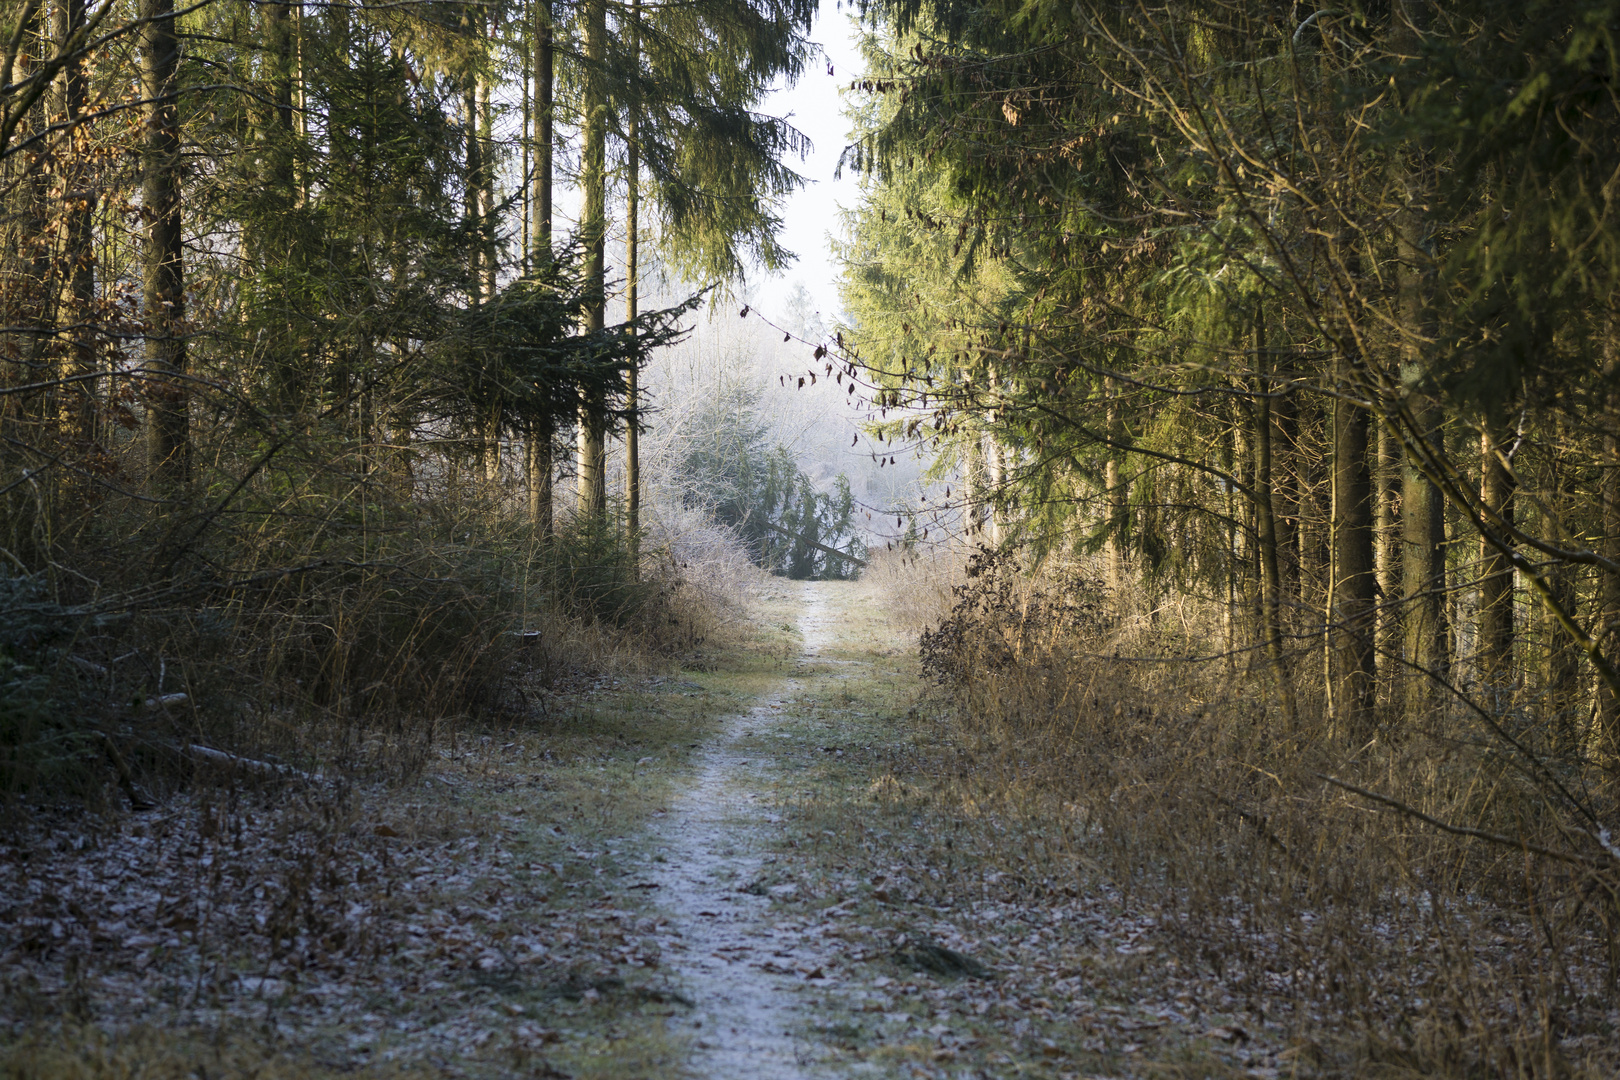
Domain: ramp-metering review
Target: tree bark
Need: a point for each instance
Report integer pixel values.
(1266, 522)
(1423, 576)
(1423, 529)
(593, 228)
(168, 425)
(1114, 491)
(76, 410)
(632, 435)
(1353, 601)
(1495, 573)
(538, 456)
(1387, 555)
(1608, 622)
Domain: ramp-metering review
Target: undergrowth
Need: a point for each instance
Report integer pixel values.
(348, 631)
(1314, 879)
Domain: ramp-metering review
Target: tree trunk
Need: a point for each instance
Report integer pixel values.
(1495, 573)
(593, 228)
(632, 434)
(537, 466)
(281, 62)
(1266, 522)
(994, 480)
(537, 460)
(168, 426)
(1423, 530)
(1115, 493)
(1244, 599)
(1560, 667)
(973, 490)
(1423, 576)
(76, 409)
(1387, 556)
(1287, 496)
(1608, 622)
(488, 262)
(1353, 602)
(1609, 590)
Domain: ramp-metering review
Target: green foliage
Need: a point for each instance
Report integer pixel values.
(715, 165)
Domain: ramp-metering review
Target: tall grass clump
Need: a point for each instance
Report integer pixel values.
(1442, 900)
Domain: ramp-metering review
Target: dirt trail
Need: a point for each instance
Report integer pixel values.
(745, 969)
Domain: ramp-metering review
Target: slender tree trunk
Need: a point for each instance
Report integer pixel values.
(538, 460)
(301, 116)
(995, 478)
(973, 490)
(1245, 599)
(280, 58)
(1229, 614)
(526, 76)
(1496, 573)
(1423, 576)
(1115, 493)
(489, 258)
(1560, 671)
(472, 191)
(489, 261)
(1287, 495)
(1387, 557)
(76, 413)
(1423, 529)
(593, 228)
(1608, 628)
(1266, 521)
(1609, 589)
(632, 434)
(1353, 601)
(168, 425)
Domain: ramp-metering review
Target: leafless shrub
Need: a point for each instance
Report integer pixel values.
(1439, 909)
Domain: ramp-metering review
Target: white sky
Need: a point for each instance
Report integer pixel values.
(811, 214)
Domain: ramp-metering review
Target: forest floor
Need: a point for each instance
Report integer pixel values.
(727, 873)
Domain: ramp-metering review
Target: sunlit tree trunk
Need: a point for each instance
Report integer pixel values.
(1560, 653)
(1609, 585)
(1495, 645)
(168, 426)
(1271, 601)
(1351, 611)
(76, 410)
(632, 436)
(1387, 548)
(591, 459)
(1114, 491)
(537, 458)
(1423, 530)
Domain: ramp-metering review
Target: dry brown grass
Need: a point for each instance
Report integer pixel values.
(355, 641)
(1380, 944)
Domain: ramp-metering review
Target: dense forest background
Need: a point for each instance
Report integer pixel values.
(1293, 333)
(298, 357)
(1309, 314)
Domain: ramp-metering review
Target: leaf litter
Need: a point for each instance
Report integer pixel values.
(520, 913)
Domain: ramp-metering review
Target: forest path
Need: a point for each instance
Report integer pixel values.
(744, 965)
(772, 865)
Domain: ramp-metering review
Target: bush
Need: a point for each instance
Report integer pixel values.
(1177, 786)
(365, 652)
